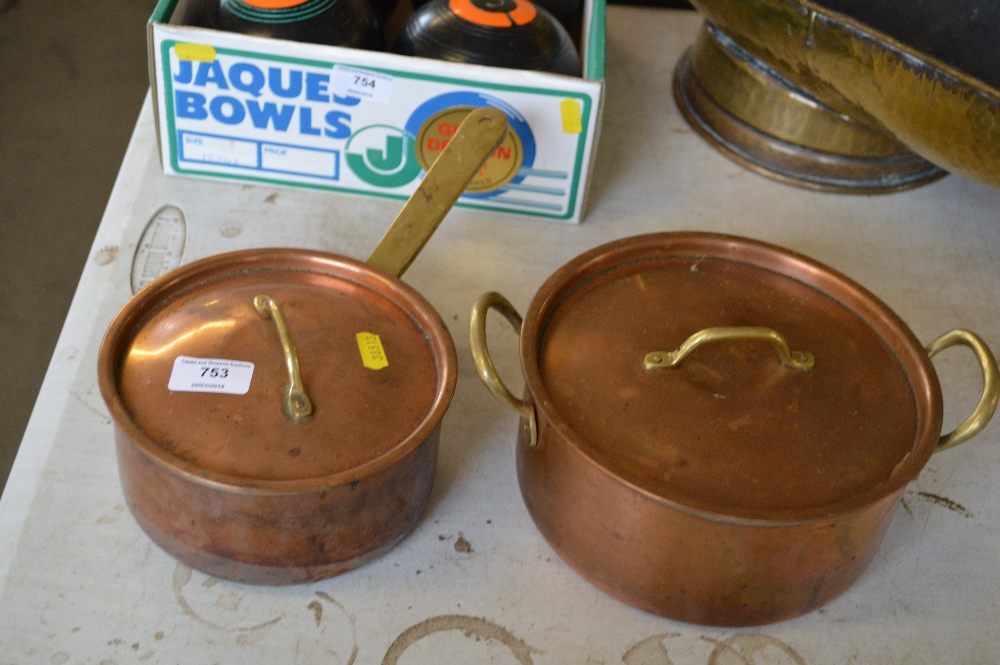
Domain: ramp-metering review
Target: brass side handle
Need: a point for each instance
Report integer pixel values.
(484, 364)
(987, 405)
(798, 360)
(297, 407)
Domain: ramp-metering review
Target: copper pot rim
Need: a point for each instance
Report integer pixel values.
(599, 260)
(151, 298)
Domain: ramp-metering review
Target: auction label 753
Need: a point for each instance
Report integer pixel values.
(210, 375)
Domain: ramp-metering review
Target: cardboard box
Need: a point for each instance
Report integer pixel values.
(261, 110)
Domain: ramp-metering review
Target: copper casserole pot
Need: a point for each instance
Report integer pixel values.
(732, 481)
(305, 442)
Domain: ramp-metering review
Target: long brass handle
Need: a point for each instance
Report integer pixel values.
(797, 360)
(297, 406)
(983, 412)
(474, 141)
(484, 364)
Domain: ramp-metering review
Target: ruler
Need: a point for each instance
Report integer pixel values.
(160, 248)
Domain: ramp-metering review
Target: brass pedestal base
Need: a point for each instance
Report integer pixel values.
(756, 117)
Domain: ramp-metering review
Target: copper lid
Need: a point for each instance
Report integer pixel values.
(363, 417)
(730, 430)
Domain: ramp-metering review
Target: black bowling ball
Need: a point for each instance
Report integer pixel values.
(566, 11)
(503, 33)
(333, 22)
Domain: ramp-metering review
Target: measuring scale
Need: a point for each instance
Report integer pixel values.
(160, 248)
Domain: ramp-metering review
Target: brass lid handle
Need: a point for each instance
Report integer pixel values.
(797, 360)
(297, 406)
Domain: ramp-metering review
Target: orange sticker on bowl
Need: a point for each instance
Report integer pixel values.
(275, 4)
(494, 13)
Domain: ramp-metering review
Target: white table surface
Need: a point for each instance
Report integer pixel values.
(81, 583)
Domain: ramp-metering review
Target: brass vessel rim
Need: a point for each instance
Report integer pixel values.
(689, 95)
(846, 21)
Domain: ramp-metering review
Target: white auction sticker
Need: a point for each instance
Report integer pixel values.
(363, 83)
(210, 375)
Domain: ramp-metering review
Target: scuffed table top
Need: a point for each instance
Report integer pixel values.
(475, 582)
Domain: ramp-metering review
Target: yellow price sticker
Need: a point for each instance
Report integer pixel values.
(372, 353)
(572, 120)
(197, 52)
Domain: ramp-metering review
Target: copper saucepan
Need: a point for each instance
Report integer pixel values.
(277, 411)
(719, 430)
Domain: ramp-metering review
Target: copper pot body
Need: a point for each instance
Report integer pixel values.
(692, 567)
(275, 538)
(228, 484)
(277, 411)
(623, 472)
